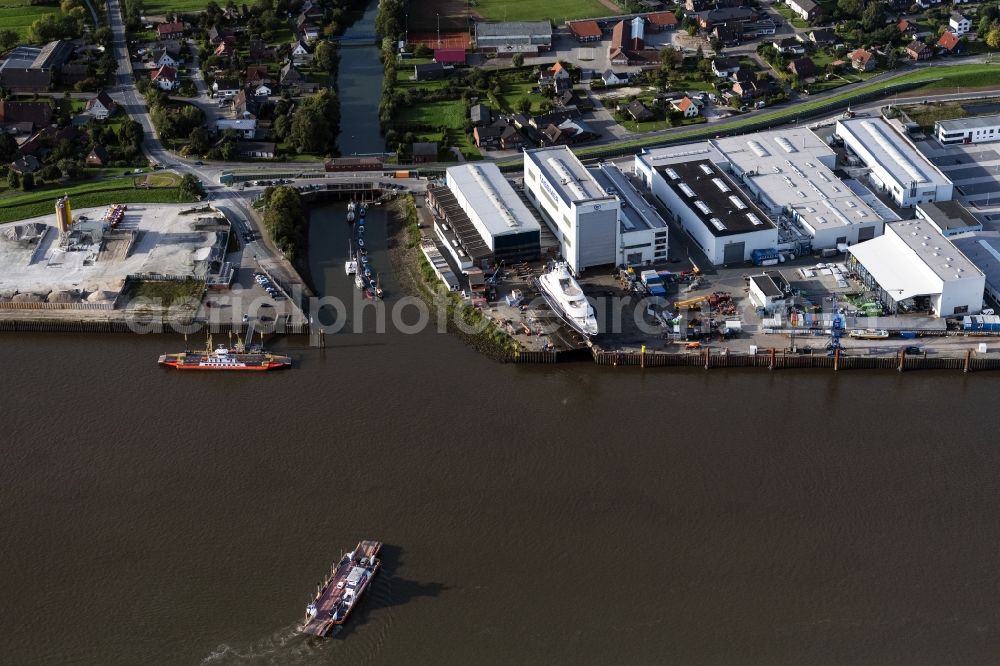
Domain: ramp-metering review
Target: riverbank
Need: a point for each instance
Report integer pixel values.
(416, 278)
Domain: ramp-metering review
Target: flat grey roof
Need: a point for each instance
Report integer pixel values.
(982, 248)
(949, 215)
(876, 141)
(961, 124)
(635, 212)
(790, 166)
(513, 29)
(492, 198)
(767, 285)
(933, 249)
(567, 175)
(725, 210)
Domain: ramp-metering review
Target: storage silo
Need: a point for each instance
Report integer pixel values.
(64, 214)
(638, 33)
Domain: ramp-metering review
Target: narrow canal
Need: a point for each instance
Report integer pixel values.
(359, 86)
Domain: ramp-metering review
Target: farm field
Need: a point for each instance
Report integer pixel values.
(18, 15)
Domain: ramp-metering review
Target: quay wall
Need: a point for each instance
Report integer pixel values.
(707, 359)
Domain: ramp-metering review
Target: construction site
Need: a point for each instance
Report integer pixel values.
(92, 259)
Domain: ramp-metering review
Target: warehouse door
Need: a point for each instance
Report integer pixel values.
(866, 233)
(734, 253)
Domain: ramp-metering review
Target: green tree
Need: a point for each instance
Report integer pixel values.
(13, 180)
(309, 132)
(285, 218)
(9, 39)
(190, 186)
(517, 60)
(326, 56)
(8, 148)
(130, 133)
(993, 36)
(524, 105)
(199, 140)
(28, 182)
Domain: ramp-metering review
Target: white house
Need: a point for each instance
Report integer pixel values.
(226, 88)
(262, 91)
(164, 77)
(301, 53)
(613, 78)
(685, 106)
(161, 58)
(101, 106)
(725, 67)
(959, 24)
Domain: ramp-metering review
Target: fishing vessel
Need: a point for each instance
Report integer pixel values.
(870, 334)
(340, 592)
(563, 294)
(224, 357)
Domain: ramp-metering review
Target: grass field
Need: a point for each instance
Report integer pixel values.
(449, 113)
(19, 15)
(88, 194)
(168, 293)
(532, 10)
(792, 17)
(928, 114)
(160, 7)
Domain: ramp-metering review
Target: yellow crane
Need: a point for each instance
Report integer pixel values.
(690, 303)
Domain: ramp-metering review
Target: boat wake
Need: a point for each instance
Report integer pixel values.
(285, 646)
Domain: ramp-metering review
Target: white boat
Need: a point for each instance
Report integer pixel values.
(351, 265)
(359, 281)
(567, 300)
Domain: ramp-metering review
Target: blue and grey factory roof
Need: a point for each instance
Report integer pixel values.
(635, 213)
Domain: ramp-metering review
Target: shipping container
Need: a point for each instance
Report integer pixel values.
(764, 257)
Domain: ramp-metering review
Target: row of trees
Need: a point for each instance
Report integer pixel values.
(286, 220)
(66, 24)
(313, 126)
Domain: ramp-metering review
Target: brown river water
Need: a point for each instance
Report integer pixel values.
(532, 514)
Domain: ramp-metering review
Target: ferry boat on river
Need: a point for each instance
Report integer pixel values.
(339, 594)
(225, 358)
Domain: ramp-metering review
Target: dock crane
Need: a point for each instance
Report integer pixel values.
(837, 326)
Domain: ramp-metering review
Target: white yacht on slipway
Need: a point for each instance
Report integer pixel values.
(566, 299)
